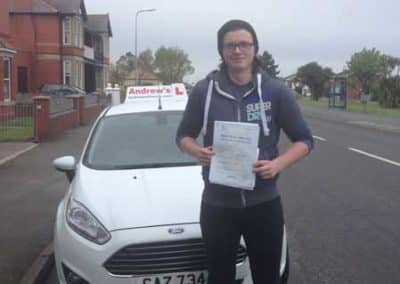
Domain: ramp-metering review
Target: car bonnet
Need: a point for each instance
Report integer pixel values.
(124, 199)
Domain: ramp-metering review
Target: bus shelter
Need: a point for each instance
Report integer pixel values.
(338, 92)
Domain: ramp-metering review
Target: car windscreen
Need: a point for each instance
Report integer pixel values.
(48, 88)
(136, 140)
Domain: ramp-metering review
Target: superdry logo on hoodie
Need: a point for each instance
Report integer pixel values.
(253, 111)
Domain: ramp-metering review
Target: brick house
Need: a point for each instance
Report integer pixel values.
(51, 41)
(146, 78)
(7, 52)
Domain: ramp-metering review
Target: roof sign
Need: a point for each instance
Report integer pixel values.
(164, 91)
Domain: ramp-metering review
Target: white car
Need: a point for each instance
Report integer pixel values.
(131, 213)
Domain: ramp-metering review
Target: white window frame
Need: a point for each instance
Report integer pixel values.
(67, 72)
(76, 69)
(7, 81)
(106, 45)
(74, 33)
(81, 72)
(78, 74)
(79, 32)
(67, 31)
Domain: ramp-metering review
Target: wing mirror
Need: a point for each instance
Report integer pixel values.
(66, 164)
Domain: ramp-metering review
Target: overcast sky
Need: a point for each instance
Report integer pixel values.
(295, 32)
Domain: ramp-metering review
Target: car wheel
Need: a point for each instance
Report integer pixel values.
(285, 275)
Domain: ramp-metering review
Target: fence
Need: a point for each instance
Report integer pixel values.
(60, 104)
(55, 115)
(47, 116)
(16, 122)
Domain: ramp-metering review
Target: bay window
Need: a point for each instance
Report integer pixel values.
(7, 79)
(67, 72)
(73, 33)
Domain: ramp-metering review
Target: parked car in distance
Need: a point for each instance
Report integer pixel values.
(60, 90)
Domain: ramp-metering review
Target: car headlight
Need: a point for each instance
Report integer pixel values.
(83, 222)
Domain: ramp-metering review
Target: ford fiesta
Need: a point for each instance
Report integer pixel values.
(131, 212)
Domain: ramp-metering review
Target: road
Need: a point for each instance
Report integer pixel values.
(30, 191)
(341, 206)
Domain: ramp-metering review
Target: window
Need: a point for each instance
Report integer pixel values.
(99, 79)
(72, 31)
(106, 47)
(7, 79)
(22, 79)
(145, 140)
(67, 72)
(77, 33)
(67, 31)
(77, 81)
(81, 74)
(98, 47)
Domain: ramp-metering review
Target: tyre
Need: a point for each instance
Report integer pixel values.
(285, 275)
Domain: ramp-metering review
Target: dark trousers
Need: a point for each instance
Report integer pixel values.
(262, 229)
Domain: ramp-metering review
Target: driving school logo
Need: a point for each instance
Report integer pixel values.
(253, 111)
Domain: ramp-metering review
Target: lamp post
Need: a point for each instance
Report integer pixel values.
(136, 41)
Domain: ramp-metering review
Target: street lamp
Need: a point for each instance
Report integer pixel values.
(136, 54)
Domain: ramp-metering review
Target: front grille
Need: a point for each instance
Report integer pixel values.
(162, 257)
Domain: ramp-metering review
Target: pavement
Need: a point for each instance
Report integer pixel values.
(30, 190)
(10, 150)
(367, 120)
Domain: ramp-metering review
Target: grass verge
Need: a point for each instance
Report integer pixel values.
(355, 106)
(19, 129)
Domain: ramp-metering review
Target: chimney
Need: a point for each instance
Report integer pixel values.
(4, 19)
(23, 5)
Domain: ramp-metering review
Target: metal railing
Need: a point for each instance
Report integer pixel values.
(16, 122)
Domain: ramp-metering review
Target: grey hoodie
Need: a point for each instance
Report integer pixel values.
(211, 100)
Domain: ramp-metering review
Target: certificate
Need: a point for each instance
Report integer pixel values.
(235, 146)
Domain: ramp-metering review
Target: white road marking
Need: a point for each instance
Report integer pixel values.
(14, 155)
(319, 138)
(375, 157)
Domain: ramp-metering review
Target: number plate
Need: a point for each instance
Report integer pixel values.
(196, 277)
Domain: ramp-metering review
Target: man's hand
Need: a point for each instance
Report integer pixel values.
(204, 155)
(267, 169)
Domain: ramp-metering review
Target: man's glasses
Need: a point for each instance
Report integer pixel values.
(243, 46)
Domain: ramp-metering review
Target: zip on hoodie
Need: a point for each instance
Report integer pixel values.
(239, 120)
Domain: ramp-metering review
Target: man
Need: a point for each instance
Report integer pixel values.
(240, 92)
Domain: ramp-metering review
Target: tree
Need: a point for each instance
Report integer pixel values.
(146, 60)
(366, 66)
(126, 62)
(145, 63)
(172, 64)
(390, 92)
(390, 66)
(267, 63)
(124, 65)
(314, 76)
(389, 85)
